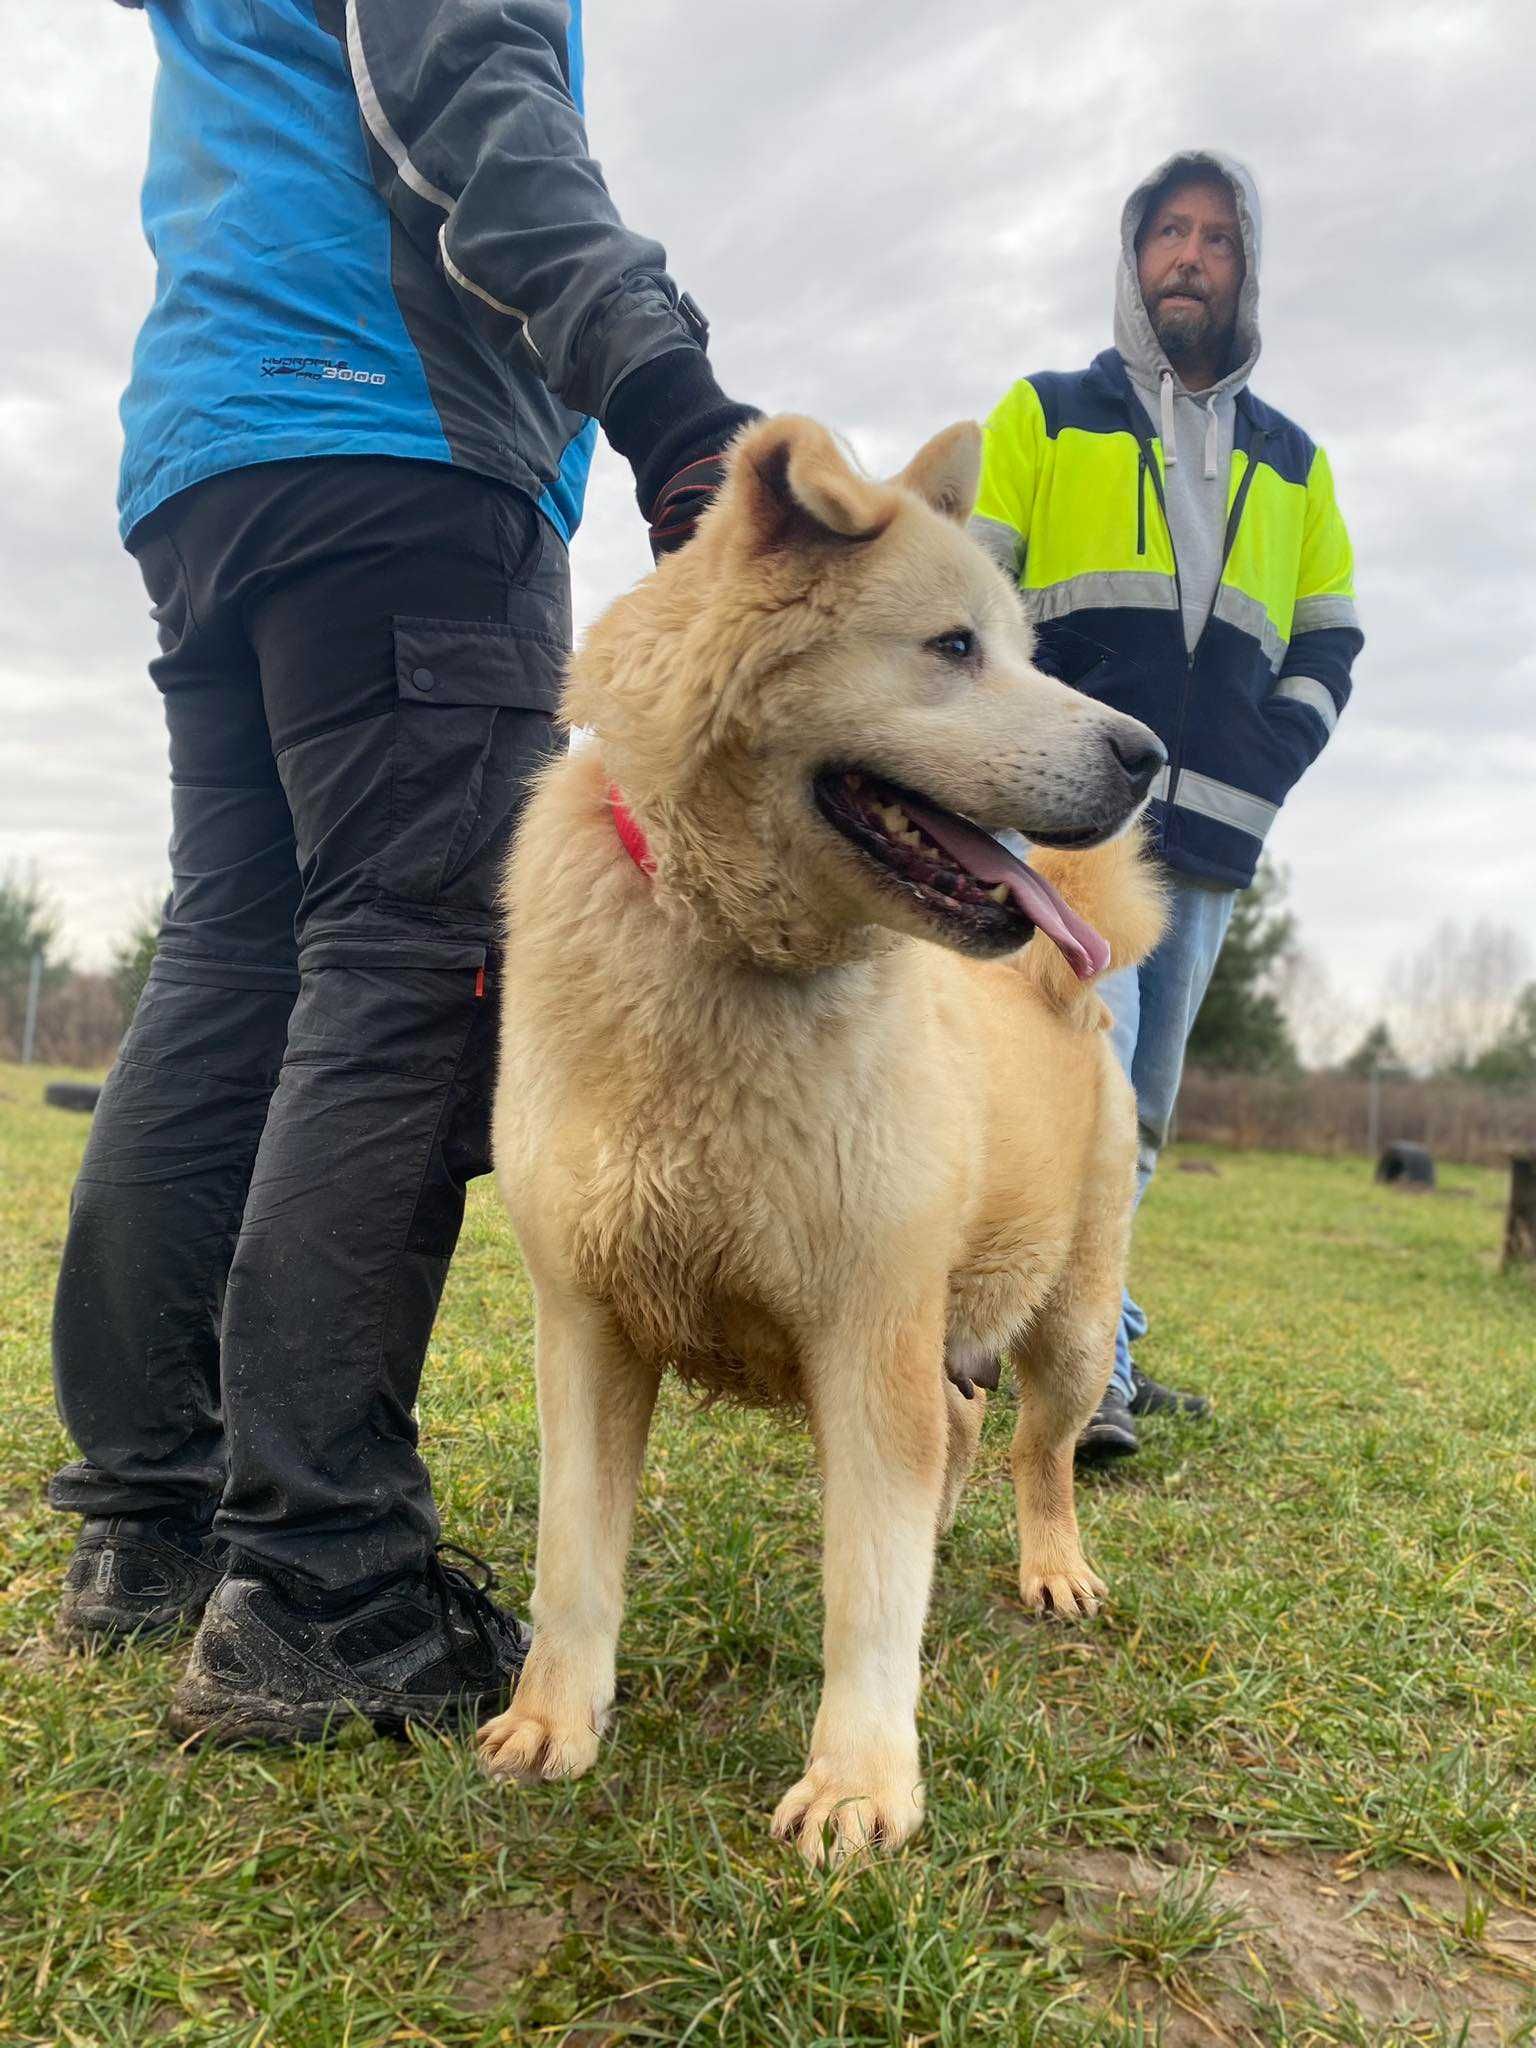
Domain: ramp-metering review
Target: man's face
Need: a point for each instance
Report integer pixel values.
(1190, 268)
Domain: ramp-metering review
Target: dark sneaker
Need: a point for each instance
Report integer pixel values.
(1152, 1399)
(270, 1666)
(137, 1576)
(1110, 1434)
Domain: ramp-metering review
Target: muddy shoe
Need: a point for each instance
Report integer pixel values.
(1109, 1434)
(269, 1665)
(1150, 1398)
(137, 1576)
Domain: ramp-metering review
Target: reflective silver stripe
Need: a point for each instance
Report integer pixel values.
(1160, 785)
(468, 283)
(382, 129)
(1317, 614)
(996, 539)
(1315, 695)
(1237, 608)
(1219, 800)
(1144, 590)
(379, 124)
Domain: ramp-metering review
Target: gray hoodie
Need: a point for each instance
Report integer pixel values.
(1195, 427)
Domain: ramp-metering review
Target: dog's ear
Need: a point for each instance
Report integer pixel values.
(791, 485)
(946, 471)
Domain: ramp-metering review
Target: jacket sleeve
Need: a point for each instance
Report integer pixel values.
(1314, 681)
(480, 149)
(1012, 441)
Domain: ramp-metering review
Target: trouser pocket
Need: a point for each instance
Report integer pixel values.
(474, 721)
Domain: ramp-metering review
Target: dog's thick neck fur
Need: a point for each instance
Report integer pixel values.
(728, 893)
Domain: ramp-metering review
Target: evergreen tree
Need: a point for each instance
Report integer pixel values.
(1241, 1028)
(29, 924)
(132, 958)
(1510, 1062)
(1375, 1054)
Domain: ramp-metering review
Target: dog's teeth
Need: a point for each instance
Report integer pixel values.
(1000, 893)
(894, 820)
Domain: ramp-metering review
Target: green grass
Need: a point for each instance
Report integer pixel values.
(1320, 1644)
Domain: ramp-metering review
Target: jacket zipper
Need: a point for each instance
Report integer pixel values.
(1141, 501)
(1234, 519)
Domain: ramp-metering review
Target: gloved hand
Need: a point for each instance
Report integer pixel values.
(672, 423)
(680, 501)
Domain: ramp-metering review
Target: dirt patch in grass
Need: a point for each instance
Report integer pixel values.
(503, 1945)
(1214, 1954)
(506, 1944)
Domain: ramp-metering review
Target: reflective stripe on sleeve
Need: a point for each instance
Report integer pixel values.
(1315, 695)
(1219, 800)
(1319, 614)
(379, 124)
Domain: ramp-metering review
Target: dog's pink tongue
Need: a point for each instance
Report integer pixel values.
(1086, 952)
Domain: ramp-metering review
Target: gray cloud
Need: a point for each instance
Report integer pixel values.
(890, 212)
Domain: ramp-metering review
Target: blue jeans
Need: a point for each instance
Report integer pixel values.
(1154, 1007)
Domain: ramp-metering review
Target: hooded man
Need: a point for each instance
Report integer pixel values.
(1179, 550)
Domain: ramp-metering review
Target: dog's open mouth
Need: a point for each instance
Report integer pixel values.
(984, 897)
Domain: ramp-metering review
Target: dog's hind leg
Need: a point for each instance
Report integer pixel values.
(1062, 1369)
(877, 1408)
(965, 1420)
(595, 1403)
(1054, 1577)
(1063, 1364)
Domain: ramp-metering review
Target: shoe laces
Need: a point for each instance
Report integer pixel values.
(471, 1592)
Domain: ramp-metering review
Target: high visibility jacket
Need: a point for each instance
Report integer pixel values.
(1072, 488)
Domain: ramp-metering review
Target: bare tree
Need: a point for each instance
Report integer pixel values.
(1323, 1023)
(1456, 996)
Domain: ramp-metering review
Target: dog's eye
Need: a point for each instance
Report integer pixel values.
(958, 645)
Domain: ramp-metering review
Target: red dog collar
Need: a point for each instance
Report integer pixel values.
(629, 832)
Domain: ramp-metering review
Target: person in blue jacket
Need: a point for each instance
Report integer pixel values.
(393, 304)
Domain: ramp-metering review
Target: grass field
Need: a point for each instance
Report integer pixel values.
(1280, 1792)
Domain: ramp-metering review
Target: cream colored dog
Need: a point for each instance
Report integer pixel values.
(776, 1108)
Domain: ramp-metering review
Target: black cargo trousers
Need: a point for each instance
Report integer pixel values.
(360, 659)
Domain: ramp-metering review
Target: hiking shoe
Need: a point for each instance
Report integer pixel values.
(138, 1576)
(1152, 1399)
(270, 1664)
(1110, 1433)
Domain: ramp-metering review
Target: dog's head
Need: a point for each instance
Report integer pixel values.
(822, 708)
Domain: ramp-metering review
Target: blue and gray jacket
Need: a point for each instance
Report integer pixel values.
(377, 231)
(1182, 557)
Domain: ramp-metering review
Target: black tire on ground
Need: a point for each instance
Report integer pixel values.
(72, 1095)
(1406, 1166)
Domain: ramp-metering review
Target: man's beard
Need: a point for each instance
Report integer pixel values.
(1184, 331)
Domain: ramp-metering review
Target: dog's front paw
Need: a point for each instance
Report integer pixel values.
(524, 1743)
(1061, 1587)
(840, 1810)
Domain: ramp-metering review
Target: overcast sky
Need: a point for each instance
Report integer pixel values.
(891, 209)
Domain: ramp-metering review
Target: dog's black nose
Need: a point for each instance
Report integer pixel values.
(1140, 754)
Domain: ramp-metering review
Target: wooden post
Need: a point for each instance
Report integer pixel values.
(1520, 1230)
(1373, 1116)
(29, 1029)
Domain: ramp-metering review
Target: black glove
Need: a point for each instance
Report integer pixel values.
(676, 510)
(672, 423)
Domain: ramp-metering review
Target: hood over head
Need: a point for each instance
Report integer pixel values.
(1145, 359)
